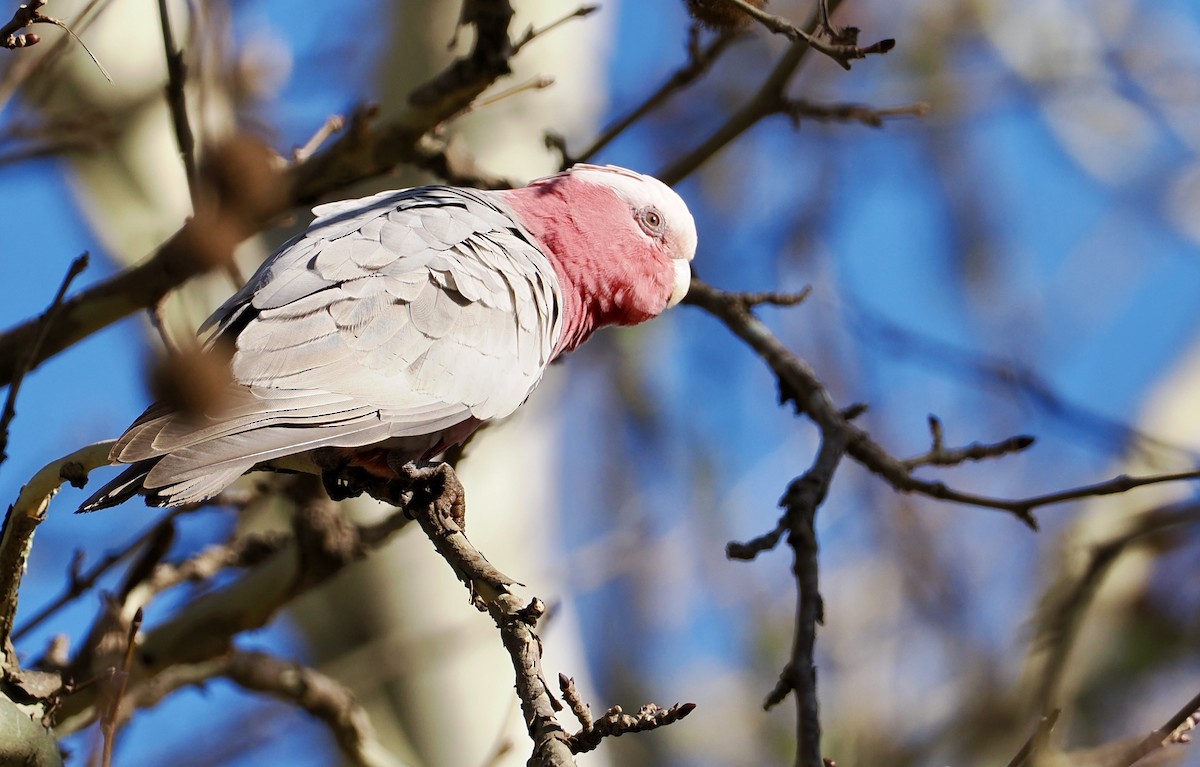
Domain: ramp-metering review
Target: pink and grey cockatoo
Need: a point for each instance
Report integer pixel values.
(398, 323)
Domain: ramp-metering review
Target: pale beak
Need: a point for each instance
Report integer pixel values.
(683, 281)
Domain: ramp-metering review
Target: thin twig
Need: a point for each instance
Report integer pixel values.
(119, 682)
(30, 358)
(532, 34)
(320, 695)
(30, 14)
(538, 83)
(939, 455)
(1045, 725)
(332, 125)
(78, 39)
(79, 583)
(24, 16)
(700, 60)
(874, 117)
(1065, 610)
(24, 516)
(1185, 717)
(177, 99)
(840, 52)
(799, 384)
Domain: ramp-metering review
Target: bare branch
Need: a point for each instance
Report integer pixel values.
(532, 34)
(940, 455)
(700, 60)
(874, 117)
(799, 384)
(24, 16)
(1174, 731)
(320, 695)
(26, 513)
(841, 52)
(437, 505)
(802, 499)
(44, 323)
(177, 100)
(616, 722)
(116, 686)
(361, 152)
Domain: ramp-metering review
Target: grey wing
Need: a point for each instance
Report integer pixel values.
(394, 316)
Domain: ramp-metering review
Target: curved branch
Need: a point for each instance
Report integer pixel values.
(799, 384)
(26, 513)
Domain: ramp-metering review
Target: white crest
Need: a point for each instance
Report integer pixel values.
(640, 190)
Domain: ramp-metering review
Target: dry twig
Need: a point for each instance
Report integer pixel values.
(1173, 731)
(700, 60)
(44, 323)
(25, 16)
(177, 100)
(320, 695)
(799, 384)
(532, 34)
(360, 152)
(25, 514)
(31, 13)
(939, 455)
(844, 47)
(1065, 609)
(117, 683)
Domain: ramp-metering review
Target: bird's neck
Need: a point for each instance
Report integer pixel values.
(584, 231)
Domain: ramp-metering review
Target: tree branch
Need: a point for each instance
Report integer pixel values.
(320, 695)
(24, 16)
(1174, 731)
(700, 60)
(44, 323)
(799, 384)
(207, 240)
(177, 99)
(436, 504)
(843, 50)
(24, 515)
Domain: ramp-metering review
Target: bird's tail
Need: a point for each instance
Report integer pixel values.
(121, 488)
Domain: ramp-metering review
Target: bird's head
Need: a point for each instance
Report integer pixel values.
(656, 221)
(621, 244)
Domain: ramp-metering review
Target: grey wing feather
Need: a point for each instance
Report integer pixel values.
(393, 316)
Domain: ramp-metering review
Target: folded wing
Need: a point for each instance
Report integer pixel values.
(398, 315)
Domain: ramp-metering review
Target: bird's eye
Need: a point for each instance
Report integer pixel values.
(651, 220)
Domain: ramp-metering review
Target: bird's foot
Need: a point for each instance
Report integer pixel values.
(435, 483)
(341, 479)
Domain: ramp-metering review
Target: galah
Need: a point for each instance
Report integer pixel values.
(397, 324)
